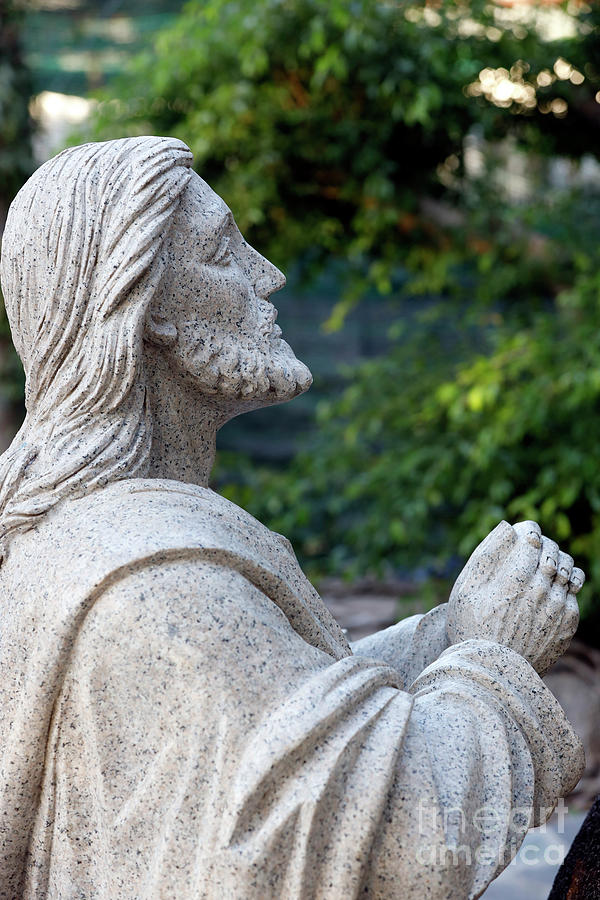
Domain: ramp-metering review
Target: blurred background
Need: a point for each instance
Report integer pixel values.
(427, 175)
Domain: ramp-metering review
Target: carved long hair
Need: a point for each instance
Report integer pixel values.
(80, 264)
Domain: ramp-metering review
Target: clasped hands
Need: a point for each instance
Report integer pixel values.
(517, 589)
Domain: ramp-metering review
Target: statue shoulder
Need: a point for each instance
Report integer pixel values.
(145, 516)
(85, 545)
(137, 519)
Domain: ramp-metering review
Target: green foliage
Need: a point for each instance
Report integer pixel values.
(16, 165)
(468, 420)
(15, 90)
(324, 125)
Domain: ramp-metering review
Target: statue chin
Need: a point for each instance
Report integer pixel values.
(258, 375)
(289, 377)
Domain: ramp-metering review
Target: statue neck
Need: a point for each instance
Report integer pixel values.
(185, 424)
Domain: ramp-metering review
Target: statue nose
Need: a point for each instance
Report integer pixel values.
(269, 282)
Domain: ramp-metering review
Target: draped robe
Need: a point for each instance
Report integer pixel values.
(181, 717)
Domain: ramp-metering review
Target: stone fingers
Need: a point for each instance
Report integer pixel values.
(530, 532)
(549, 557)
(543, 575)
(525, 556)
(571, 617)
(557, 591)
(564, 568)
(562, 609)
(577, 580)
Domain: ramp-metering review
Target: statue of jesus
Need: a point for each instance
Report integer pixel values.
(180, 715)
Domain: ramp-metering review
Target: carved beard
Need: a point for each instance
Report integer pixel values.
(261, 368)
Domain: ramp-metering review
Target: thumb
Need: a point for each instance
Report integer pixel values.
(487, 556)
(498, 542)
(527, 554)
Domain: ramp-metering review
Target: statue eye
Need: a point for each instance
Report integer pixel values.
(222, 255)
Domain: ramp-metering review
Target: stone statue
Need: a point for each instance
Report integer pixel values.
(180, 716)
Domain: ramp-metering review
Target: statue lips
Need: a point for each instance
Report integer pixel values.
(269, 328)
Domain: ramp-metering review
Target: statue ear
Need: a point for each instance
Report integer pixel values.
(160, 331)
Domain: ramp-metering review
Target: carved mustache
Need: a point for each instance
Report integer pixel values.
(269, 329)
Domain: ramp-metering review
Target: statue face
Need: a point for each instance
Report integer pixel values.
(216, 295)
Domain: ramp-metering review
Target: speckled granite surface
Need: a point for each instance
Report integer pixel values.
(181, 717)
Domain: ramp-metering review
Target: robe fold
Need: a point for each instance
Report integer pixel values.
(181, 717)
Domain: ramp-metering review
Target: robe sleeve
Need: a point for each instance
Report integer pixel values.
(410, 645)
(486, 754)
(200, 747)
